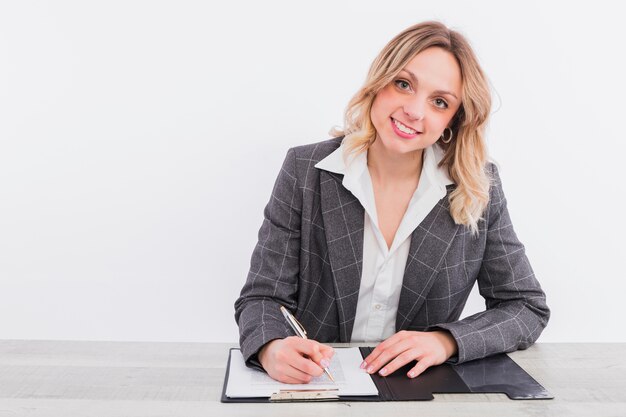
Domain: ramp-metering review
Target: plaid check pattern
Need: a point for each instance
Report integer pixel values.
(309, 258)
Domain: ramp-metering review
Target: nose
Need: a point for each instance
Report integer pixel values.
(414, 109)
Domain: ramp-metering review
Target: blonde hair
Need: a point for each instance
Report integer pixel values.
(466, 155)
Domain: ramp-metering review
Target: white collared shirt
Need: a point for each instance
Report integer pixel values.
(383, 267)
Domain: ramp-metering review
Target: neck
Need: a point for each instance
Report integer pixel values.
(389, 168)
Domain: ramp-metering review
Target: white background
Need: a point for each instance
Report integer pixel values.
(139, 142)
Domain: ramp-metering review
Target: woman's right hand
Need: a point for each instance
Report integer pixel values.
(295, 360)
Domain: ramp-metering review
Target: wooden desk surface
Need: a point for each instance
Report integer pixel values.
(70, 378)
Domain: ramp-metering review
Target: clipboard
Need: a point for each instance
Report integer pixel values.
(494, 374)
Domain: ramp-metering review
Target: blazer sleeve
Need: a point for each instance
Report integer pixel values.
(274, 267)
(516, 310)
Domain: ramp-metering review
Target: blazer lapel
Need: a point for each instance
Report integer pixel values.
(430, 242)
(343, 218)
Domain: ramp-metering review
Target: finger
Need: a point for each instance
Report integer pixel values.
(291, 375)
(327, 351)
(315, 351)
(420, 367)
(294, 355)
(378, 350)
(305, 365)
(399, 361)
(283, 369)
(389, 354)
(304, 346)
(327, 355)
(298, 367)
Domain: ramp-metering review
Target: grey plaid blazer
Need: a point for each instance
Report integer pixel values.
(310, 253)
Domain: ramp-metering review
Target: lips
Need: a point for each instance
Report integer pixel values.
(402, 130)
(404, 125)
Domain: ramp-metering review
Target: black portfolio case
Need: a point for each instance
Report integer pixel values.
(494, 374)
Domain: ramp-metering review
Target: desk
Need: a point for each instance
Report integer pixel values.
(69, 378)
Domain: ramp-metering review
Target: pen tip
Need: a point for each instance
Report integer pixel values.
(329, 375)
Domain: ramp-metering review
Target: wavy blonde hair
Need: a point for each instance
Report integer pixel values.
(466, 155)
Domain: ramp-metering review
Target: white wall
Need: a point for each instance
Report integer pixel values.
(139, 142)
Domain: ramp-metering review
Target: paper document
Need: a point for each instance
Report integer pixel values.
(246, 382)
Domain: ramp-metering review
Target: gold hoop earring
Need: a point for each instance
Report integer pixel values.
(442, 137)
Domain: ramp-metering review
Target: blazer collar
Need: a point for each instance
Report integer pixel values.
(430, 243)
(343, 228)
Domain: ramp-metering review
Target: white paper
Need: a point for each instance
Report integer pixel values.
(350, 379)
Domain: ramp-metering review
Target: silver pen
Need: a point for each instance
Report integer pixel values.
(297, 327)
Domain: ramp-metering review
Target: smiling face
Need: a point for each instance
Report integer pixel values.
(412, 111)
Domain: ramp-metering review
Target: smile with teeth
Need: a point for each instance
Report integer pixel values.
(404, 128)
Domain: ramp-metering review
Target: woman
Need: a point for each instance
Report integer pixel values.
(379, 234)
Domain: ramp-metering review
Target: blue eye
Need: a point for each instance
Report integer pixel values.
(403, 84)
(441, 103)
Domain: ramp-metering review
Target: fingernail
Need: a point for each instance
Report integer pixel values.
(370, 370)
(411, 374)
(363, 365)
(383, 371)
(325, 363)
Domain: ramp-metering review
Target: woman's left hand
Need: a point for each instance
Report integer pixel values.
(428, 348)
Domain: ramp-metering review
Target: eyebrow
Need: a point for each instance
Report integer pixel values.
(414, 79)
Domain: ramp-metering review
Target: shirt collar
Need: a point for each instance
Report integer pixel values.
(356, 179)
(354, 165)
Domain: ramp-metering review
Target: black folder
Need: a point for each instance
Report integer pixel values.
(494, 374)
